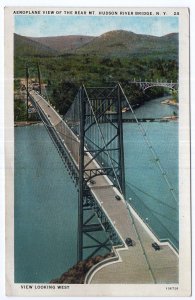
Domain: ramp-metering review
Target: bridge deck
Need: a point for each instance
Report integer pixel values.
(132, 266)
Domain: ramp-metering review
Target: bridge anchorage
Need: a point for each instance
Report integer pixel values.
(144, 85)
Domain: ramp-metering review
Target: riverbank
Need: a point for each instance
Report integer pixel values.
(25, 123)
(77, 273)
(170, 102)
(170, 118)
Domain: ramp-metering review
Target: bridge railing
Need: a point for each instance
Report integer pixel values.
(69, 139)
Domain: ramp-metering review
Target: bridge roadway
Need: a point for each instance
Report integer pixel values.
(137, 264)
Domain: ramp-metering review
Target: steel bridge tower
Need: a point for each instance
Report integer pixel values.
(101, 137)
(27, 67)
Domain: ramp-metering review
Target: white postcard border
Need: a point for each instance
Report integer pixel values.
(184, 149)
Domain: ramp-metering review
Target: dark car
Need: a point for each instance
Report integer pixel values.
(155, 246)
(129, 242)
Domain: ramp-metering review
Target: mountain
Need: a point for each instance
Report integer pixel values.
(24, 46)
(123, 43)
(119, 43)
(63, 44)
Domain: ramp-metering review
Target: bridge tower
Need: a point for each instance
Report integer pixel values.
(39, 77)
(27, 84)
(27, 90)
(101, 136)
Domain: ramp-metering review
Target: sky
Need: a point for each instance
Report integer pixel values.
(40, 26)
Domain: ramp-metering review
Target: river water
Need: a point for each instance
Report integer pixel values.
(46, 198)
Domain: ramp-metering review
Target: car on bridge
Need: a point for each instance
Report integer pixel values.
(155, 246)
(129, 242)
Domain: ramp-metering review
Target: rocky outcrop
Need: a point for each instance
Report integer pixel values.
(77, 273)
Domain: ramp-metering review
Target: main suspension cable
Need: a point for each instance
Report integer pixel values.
(152, 150)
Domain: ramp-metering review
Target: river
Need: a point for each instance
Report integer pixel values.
(46, 198)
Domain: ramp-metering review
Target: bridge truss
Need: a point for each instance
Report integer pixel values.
(144, 85)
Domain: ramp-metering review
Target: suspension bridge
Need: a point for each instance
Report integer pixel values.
(94, 156)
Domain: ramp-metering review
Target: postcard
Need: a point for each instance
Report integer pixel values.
(97, 147)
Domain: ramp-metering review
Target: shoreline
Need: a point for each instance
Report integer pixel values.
(25, 123)
(170, 102)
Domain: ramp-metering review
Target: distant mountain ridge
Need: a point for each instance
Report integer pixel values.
(112, 43)
(24, 46)
(123, 43)
(63, 44)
